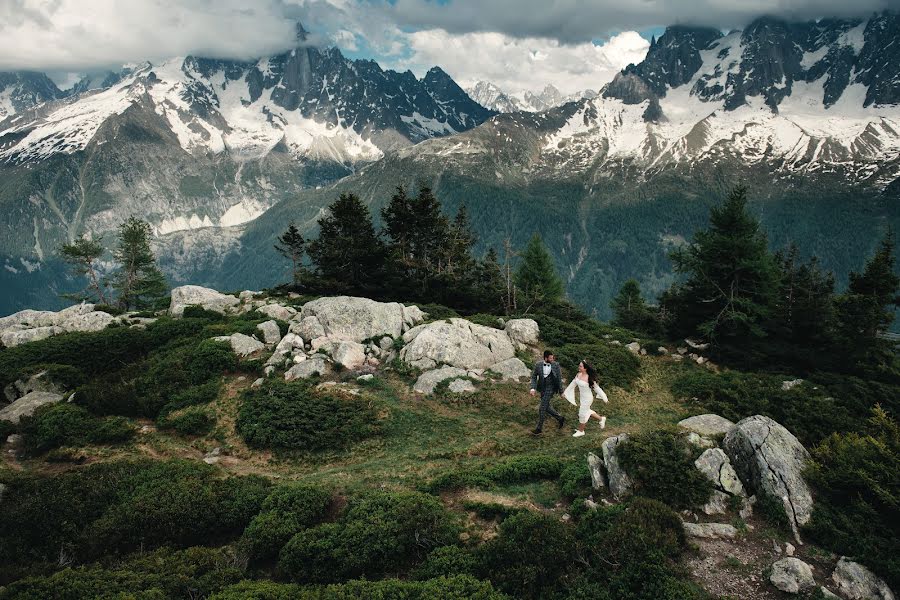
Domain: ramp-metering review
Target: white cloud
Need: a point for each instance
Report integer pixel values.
(71, 35)
(516, 64)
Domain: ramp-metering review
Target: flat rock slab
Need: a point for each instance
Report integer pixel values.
(708, 425)
(195, 295)
(277, 311)
(429, 380)
(27, 404)
(314, 366)
(456, 342)
(511, 369)
(710, 530)
(357, 319)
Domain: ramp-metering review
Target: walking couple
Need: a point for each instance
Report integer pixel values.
(546, 379)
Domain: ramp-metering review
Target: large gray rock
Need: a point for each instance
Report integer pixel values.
(708, 425)
(90, 321)
(195, 295)
(523, 331)
(595, 465)
(792, 575)
(359, 319)
(717, 503)
(350, 355)
(620, 483)
(277, 311)
(12, 337)
(242, 345)
(429, 380)
(27, 404)
(715, 465)
(309, 328)
(39, 382)
(270, 332)
(856, 582)
(511, 369)
(461, 386)
(289, 344)
(412, 316)
(316, 365)
(456, 342)
(768, 458)
(710, 530)
(28, 319)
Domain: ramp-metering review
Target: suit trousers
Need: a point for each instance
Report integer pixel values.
(545, 409)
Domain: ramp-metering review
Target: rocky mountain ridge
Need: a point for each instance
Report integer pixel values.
(490, 96)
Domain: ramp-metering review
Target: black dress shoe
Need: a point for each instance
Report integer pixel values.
(562, 422)
(536, 432)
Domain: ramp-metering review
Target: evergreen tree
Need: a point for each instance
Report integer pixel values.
(138, 281)
(804, 309)
(731, 279)
(490, 287)
(459, 243)
(83, 254)
(418, 233)
(348, 251)
(536, 276)
(867, 308)
(630, 310)
(292, 246)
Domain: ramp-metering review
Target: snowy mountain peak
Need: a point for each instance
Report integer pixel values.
(490, 96)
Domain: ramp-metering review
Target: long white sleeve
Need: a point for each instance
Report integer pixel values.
(598, 391)
(570, 393)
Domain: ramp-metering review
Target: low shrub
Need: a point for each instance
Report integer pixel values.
(661, 464)
(491, 510)
(575, 479)
(198, 312)
(857, 510)
(492, 321)
(64, 424)
(288, 510)
(529, 556)
(193, 396)
(192, 421)
(615, 365)
(446, 561)
(438, 312)
(512, 470)
(447, 588)
(296, 416)
(382, 533)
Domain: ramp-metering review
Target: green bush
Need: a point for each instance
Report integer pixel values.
(383, 533)
(193, 421)
(287, 511)
(64, 424)
(661, 464)
(164, 573)
(529, 556)
(446, 561)
(857, 510)
(615, 365)
(193, 396)
(198, 312)
(446, 588)
(111, 394)
(575, 479)
(6, 430)
(438, 312)
(491, 510)
(512, 470)
(296, 416)
(491, 321)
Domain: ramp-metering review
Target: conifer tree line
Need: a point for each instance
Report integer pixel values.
(757, 307)
(420, 255)
(136, 281)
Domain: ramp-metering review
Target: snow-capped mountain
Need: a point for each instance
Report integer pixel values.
(490, 96)
(20, 90)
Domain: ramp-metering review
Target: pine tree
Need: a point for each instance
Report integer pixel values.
(418, 233)
(631, 311)
(804, 309)
(731, 279)
(867, 308)
(536, 276)
(460, 241)
(292, 246)
(83, 254)
(138, 281)
(490, 286)
(348, 251)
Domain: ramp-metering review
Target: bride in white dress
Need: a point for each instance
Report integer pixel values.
(586, 382)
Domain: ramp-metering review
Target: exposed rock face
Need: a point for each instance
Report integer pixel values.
(277, 311)
(523, 331)
(242, 345)
(195, 295)
(289, 344)
(511, 369)
(429, 380)
(350, 355)
(461, 386)
(270, 332)
(768, 458)
(88, 321)
(356, 319)
(710, 530)
(856, 582)
(792, 575)
(309, 328)
(11, 338)
(717, 503)
(39, 382)
(595, 465)
(27, 404)
(715, 465)
(33, 325)
(620, 483)
(458, 343)
(708, 425)
(316, 365)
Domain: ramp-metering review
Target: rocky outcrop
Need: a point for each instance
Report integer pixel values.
(456, 342)
(620, 483)
(39, 382)
(856, 582)
(769, 459)
(315, 365)
(429, 380)
(710, 530)
(195, 295)
(792, 575)
(523, 332)
(356, 319)
(708, 425)
(242, 345)
(27, 404)
(350, 355)
(511, 369)
(715, 465)
(270, 332)
(461, 386)
(289, 345)
(17, 337)
(595, 466)
(309, 328)
(33, 325)
(277, 311)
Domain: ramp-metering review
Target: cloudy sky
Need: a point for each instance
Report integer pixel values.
(517, 44)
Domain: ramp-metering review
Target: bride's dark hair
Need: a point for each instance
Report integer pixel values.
(591, 373)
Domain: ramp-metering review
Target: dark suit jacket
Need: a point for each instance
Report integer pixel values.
(554, 380)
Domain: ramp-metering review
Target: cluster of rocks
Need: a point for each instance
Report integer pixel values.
(24, 396)
(32, 325)
(851, 580)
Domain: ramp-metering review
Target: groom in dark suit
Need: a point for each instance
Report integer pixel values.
(546, 379)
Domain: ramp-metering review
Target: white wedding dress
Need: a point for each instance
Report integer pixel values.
(585, 397)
